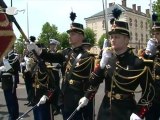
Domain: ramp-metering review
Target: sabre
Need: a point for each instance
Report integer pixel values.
(21, 117)
(74, 112)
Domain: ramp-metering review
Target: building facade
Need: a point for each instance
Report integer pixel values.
(138, 23)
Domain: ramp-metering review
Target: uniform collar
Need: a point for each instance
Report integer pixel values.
(125, 54)
(78, 49)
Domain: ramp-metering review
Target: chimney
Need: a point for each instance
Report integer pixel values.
(147, 12)
(111, 4)
(134, 7)
(124, 3)
(139, 9)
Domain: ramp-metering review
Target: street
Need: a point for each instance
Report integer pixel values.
(21, 94)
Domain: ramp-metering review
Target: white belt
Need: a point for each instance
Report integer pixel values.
(6, 74)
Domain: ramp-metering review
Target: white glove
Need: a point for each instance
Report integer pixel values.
(82, 102)
(22, 64)
(43, 100)
(151, 47)
(135, 117)
(33, 46)
(106, 54)
(2, 68)
(6, 64)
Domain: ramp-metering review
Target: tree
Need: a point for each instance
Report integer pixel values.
(63, 38)
(90, 35)
(19, 45)
(156, 8)
(101, 40)
(48, 32)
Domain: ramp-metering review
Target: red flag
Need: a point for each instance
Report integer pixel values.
(7, 36)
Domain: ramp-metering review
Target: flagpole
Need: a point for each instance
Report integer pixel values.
(105, 15)
(27, 21)
(150, 7)
(11, 3)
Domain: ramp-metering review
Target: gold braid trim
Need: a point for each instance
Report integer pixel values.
(133, 91)
(134, 77)
(157, 63)
(80, 75)
(5, 22)
(43, 84)
(83, 68)
(127, 69)
(6, 33)
(147, 101)
(124, 89)
(85, 61)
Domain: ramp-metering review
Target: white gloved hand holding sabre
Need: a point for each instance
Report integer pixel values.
(43, 100)
(134, 117)
(82, 102)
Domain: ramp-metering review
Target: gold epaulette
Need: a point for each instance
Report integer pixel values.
(49, 66)
(59, 51)
(151, 61)
(91, 53)
(146, 60)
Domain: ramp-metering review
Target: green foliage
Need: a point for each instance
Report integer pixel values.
(48, 32)
(156, 8)
(63, 38)
(101, 40)
(19, 45)
(90, 35)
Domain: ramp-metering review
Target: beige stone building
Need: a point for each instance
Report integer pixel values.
(138, 23)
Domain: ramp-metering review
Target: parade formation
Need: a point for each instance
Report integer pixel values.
(64, 82)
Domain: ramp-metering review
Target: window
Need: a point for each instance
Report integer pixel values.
(136, 36)
(141, 24)
(146, 26)
(135, 22)
(130, 21)
(103, 25)
(131, 37)
(146, 37)
(142, 37)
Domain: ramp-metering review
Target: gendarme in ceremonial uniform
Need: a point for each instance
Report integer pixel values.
(123, 72)
(152, 52)
(10, 79)
(78, 64)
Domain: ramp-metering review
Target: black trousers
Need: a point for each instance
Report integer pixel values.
(154, 112)
(28, 83)
(117, 110)
(12, 103)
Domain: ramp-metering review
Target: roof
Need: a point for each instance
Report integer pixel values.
(122, 8)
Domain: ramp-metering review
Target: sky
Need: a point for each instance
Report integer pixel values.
(57, 12)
